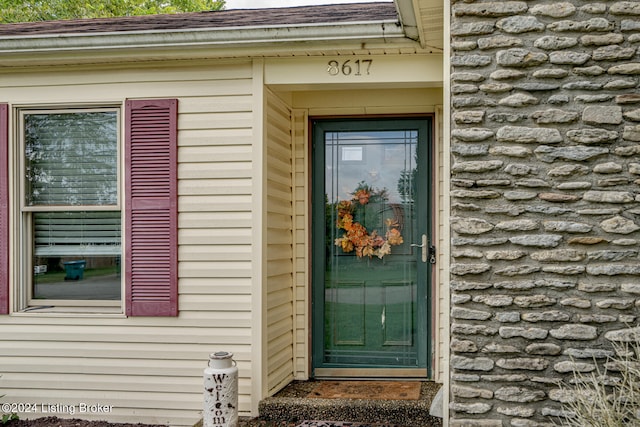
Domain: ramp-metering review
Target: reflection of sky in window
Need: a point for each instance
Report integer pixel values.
(378, 158)
(71, 158)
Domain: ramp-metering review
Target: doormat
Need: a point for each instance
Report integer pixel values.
(340, 424)
(376, 390)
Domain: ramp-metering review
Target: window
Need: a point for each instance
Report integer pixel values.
(71, 215)
(89, 238)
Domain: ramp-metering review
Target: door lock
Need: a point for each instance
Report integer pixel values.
(432, 254)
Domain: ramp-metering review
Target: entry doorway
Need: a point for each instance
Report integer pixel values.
(372, 247)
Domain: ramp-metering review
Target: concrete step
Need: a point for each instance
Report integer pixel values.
(292, 404)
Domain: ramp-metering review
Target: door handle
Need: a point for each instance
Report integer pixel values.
(424, 247)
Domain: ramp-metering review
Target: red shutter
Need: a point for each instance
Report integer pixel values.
(151, 264)
(4, 209)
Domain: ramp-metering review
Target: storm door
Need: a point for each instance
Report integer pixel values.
(371, 247)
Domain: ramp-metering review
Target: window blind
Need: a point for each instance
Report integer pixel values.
(77, 233)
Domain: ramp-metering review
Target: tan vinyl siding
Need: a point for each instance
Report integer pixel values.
(140, 364)
(301, 237)
(279, 282)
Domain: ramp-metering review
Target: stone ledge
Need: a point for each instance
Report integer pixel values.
(291, 404)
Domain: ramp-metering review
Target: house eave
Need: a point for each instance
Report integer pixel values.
(227, 42)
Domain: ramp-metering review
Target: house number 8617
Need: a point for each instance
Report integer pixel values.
(359, 67)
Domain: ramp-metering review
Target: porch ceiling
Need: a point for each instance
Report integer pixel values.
(430, 17)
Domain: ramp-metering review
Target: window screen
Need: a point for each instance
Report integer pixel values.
(71, 203)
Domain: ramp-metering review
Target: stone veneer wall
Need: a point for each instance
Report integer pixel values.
(545, 194)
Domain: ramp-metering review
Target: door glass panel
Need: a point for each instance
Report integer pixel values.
(370, 281)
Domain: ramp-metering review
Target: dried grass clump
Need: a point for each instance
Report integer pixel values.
(608, 396)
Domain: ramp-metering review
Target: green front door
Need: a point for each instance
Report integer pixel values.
(371, 247)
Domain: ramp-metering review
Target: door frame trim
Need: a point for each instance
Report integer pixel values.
(430, 292)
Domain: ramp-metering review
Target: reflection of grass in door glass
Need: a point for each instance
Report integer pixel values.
(58, 276)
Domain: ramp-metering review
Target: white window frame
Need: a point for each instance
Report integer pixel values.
(24, 286)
